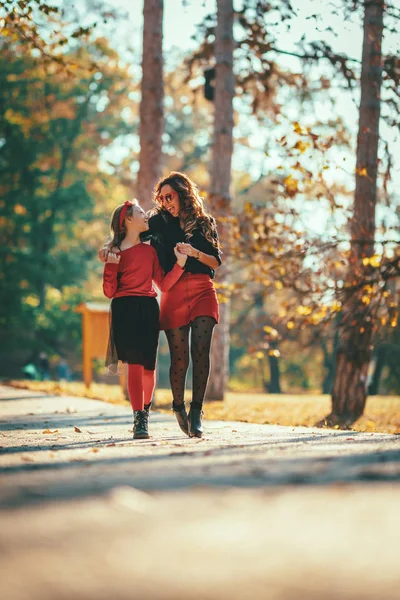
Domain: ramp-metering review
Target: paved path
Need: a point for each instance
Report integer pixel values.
(249, 511)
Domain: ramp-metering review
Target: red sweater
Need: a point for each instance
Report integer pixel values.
(135, 273)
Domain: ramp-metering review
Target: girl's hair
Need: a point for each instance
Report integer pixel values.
(191, 206)
(119, 232)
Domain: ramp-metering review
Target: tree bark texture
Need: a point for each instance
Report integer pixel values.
(220, 181)
(349, 391)
(151, 125)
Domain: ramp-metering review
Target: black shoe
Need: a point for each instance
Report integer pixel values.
(140, 425)
(195, 426)
(181, 417)
(147, 408)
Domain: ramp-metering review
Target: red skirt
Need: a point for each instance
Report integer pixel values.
(192, 296)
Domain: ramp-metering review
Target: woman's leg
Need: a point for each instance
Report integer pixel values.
(202, 330)
(135, 386)
(178, 341)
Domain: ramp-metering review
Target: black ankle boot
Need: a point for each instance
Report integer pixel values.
(147, 408)
(140, 425)
(182, 417)
(195, 426)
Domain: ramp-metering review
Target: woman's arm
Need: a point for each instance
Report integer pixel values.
(207, 259)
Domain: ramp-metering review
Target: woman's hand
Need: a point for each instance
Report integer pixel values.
(188, 250)
(113, 258)
(181, 258)
(103, 253)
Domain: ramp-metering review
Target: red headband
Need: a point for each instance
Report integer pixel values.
(122, 214)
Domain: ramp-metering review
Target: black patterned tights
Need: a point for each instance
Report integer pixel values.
(201, 330)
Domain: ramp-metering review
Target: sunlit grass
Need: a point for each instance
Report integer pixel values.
(382, 413)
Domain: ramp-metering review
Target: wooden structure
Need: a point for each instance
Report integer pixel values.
(95, 332)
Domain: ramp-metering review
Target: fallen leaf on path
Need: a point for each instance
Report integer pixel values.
(94, 450)
(27, 459)
(49, 431)
(109, 445)
(350, 439)
(77, 430)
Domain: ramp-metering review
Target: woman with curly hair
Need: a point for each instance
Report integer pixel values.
(191, 305)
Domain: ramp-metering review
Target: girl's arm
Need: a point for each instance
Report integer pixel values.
(165, 282)
(110, 281)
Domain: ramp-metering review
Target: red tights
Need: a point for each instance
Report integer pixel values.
(141, 383)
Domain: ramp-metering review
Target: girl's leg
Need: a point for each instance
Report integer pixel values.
(135, 386)
(202, 330)
(178, 341)
(149, 383)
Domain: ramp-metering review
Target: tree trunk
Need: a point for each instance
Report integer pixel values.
(329, 362)
(274, 386)
(380, 360)
(220, 181)
(354, 352)
(151, 125)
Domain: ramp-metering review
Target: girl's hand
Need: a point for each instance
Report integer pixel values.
(113, 258)
(188, 250)
(180, 257)
(103, 253)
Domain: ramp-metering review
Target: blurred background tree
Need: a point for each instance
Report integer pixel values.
(70, 152)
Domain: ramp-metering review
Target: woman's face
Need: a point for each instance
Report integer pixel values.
(169, 200)
(139, 219)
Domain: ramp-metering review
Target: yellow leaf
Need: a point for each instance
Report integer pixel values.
(297, 128)
(291, 185)
(32, 300)
(275, 353)
(304, 310)
(290, 324)
(49, 431)
(278, 285)
(301, 146)
(375, 260)
(19, 209)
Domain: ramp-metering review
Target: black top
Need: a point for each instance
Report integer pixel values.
(165, 232)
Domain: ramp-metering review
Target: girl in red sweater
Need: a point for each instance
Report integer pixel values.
(129, 272)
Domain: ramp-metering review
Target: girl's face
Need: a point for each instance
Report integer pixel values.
(169, 200)
(139, 220)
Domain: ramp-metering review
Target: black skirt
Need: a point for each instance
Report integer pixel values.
(134, 332)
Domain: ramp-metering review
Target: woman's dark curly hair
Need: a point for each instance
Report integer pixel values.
(192, 212)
